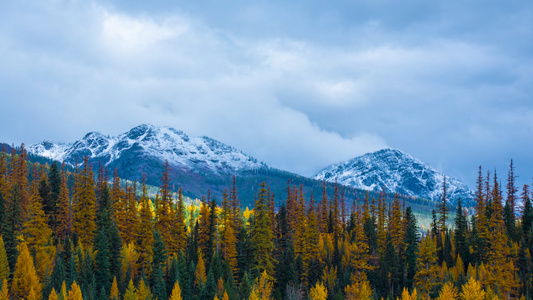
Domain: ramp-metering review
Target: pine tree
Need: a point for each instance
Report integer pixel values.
(159, 259)
(101, 243)
(164, 209)
(443, 209)
(235, 204)
(85, 208)
(145, 238)
(262, 236)
(323, 218)
(411, 240)
(25, 276)
(511, 188)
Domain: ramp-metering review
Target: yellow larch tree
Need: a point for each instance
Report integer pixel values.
(263, 286)
(143, 291)
(38, 235)
(472, 290)
(53, 295)
(359, 291)
(448, 292)
(84, 222)
(396, 225)
(229, 249)
(318, 292)
(176, 292)
(178, 230)
(426, 277)
(113, 295)
(25, 276)
(359, 254)
(130, 293)
(500, 265)
(4, 264)
(200, 271)
(75, 292)
(4, 293)
(64, 209)
(409, 296)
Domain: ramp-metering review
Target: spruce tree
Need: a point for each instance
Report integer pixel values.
(101, 244)
(262, 236)
(157, 282)
(412, 238)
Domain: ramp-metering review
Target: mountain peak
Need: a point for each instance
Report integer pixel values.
(151, 143)
(397, 171)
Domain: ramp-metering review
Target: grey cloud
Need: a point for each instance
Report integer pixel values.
(299, 85)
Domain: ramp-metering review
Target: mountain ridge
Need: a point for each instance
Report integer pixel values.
(397, 171)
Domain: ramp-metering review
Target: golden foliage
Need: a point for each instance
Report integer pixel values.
(25, 277)
(318, 292)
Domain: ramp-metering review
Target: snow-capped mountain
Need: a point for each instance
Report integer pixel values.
(151, 143)
(397, 171)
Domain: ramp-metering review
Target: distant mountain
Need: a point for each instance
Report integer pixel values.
(199, 154)
(397, 171)
(196, 164)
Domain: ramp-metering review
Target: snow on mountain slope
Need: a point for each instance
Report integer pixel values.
(397, 171)
(148, 141)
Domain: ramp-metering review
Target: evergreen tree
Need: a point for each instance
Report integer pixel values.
(157, 283)
(145, 238)
(164, 208)
(443, 209)
(262, 236)
(101, 243)
(511, 189)
(461, 230)
(411, 241)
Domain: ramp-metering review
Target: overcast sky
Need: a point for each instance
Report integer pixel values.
(297, 84)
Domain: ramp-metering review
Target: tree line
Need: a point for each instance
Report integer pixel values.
(96, 239)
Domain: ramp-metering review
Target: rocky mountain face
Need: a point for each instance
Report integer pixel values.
(397, 171)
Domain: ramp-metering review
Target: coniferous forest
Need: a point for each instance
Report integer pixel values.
(80, 234)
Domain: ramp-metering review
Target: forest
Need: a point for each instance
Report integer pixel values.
(79, 234)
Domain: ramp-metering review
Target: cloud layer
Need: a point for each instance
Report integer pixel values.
(297, 85)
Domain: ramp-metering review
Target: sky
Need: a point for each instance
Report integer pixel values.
(296, 84)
